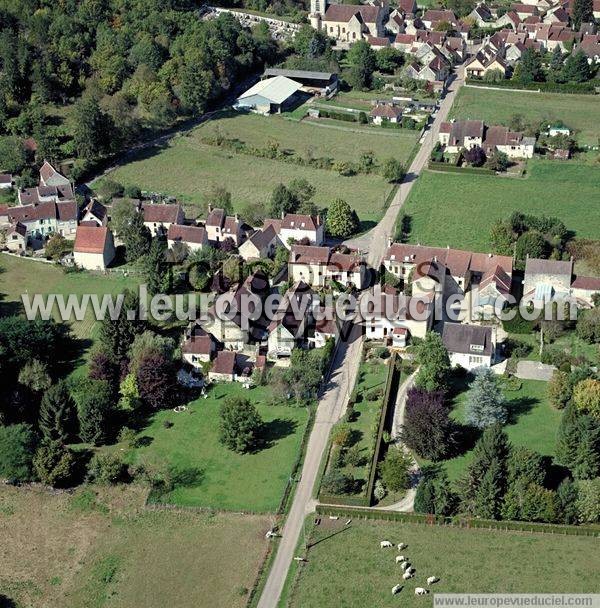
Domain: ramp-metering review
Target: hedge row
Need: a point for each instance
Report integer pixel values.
(583, 88)
(459, 522)
(450, 168)
(393, 380)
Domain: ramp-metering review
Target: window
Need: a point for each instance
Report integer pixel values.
(475, 360)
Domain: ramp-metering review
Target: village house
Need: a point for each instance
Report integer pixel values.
(94, 247)
(296, 227)
(398, 318)
(461, 134)
(481, 15)
(469, 346)
(325, 328)
(479, 65)
(466, 134)
(194, 237)
(262, 244)
(225, 367)
(198, 346)
(6, 181)
(220, 226)
(159, 216)
(385, 112)
(432, 17)
(42, 219)
(227, 323)
(446, 271)
(289, 326)
(16, 237)
(590, 45)
(318, 266)
(549, 281)
(94, 213)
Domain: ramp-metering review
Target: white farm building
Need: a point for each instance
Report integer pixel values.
(269, 95)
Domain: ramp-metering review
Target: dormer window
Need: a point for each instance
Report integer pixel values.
(303, 224)
(292, 224)
(477, 348)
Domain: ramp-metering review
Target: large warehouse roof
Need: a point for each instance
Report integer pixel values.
(276, 90)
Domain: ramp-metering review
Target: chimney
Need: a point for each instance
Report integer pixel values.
(237, 217)
(282, 215)
(389, 241)
(210, 207)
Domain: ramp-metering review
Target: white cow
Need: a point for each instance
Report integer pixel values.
(407, 575)
(432, 579)
(385, 544)
(404, 565)
(401, 558)
(421, 591)
(402, 546)
(396, 589)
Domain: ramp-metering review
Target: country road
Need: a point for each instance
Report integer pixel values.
(345, 368)
(375, 241)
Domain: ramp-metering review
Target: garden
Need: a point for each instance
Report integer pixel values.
(207, 473)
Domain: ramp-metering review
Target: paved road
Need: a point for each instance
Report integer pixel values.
(330, 409)
(375, 241)
(333, 402)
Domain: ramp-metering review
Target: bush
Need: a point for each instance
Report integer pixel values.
(240, 425)
(106, 469)
(336, 482)
(17, 444)
(54, 464)
(379, 492)
(395, 470)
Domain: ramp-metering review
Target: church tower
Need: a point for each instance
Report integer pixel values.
(317, 11)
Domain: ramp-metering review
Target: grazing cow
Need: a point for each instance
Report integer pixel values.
(402, 546)
(385, 544)
(432, 579)
(396, 589)
(421, 591)
(407, 575)
(401, 558)
(404, 565)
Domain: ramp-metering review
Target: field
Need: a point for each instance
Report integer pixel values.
(84, 551)
(458, 210)
(533, 422)
(340, 144)
(349, 570)
(190, 169)
(21, 276)
(580, 112)
(217, 477)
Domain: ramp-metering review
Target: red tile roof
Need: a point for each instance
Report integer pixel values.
(587, 283)
(186, 234)
(294, 221)
(309, 254)
(345, 12)
(161, 213)
(90, 239)
(224, 363)
(386, 110)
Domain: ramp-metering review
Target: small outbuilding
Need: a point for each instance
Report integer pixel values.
(311, 81)
(268, 96)
(94, 247)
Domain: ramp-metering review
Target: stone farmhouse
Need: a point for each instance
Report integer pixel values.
(220, 226)
(193, 237)
(260, 245)
(348, 23)
(159, 217)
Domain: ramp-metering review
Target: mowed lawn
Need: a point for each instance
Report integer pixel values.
(190, 170)
(346, 143)
(88, 551)
(532, 423)
(218, 477)
(459, 210)
(19, 276)
(349, 570)
(580, 112)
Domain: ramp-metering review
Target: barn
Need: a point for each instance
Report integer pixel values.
(268, 96)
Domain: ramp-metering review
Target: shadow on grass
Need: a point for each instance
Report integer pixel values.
(188, 477)
(518, 407)
(275, 430)
(310, 545)
(466, 438)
